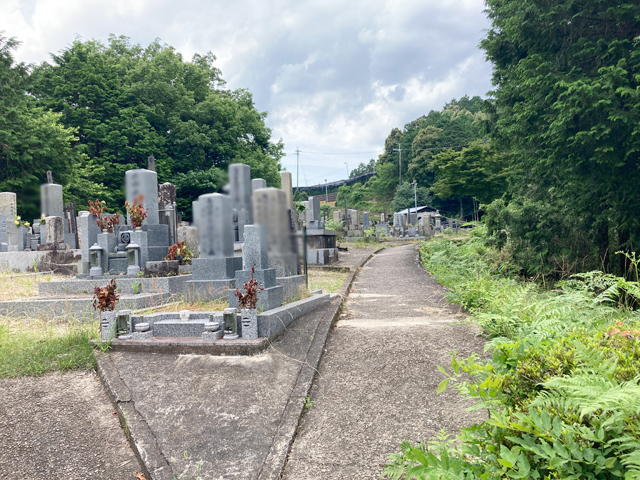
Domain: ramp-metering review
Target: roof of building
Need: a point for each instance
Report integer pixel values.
(424, 208)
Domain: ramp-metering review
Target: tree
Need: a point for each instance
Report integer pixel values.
(404, 197)
(566, 105)
(32, 139)
(128, 102)
(476, 172)
(363, 168)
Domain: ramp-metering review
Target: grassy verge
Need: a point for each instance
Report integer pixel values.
(17, 286)
(328, 280)
(561, 386)
(34, 347)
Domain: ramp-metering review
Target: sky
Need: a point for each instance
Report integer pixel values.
(335, 76)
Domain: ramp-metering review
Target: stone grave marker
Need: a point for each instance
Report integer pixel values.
(8, 207)
(314, 212)
(365, 220)
(240, 190)
(143, 182)
(257, 183)
(4, 238)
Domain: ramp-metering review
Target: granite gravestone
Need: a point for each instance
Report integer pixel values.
(8, 207)
(214, 272)
(257, 183)
(143, 182)
(269, 206)
(240, 190)
(337, 216)
(286, 185)
(89, 231)
(4, 238)
(365, 220)
(314, 221)
(255, 256)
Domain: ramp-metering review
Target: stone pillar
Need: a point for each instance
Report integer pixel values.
(4, 238)
(8, 207)
(286, 185)
(365, 220)
(314, 221)
(240, 190)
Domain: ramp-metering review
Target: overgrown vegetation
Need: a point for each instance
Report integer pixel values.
(34, 347)
(561, 384)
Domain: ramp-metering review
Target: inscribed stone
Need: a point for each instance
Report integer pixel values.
(143, 182)
(214, 221)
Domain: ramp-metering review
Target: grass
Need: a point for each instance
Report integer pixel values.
(328, 280)
(17, 286)
(35, 347)
(196, 306)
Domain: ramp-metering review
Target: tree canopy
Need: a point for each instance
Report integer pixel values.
(126, 102)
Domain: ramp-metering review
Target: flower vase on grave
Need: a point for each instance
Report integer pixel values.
(230, 325)
(249, 323)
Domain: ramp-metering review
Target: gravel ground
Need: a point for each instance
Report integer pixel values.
(378, 378)
(61, 426)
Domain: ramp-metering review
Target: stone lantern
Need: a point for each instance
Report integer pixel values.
(133, 259)
(96, 255)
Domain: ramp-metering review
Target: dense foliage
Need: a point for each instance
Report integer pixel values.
(98, 110)
(561, 385)
(32, 139)
(565, 107)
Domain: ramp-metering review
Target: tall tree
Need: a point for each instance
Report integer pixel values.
(32, 139)
(128, 102)
(566, 104)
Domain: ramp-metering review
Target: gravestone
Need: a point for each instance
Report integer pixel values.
(286, 185)
(70, 225)
(4, 238)
(89, 231)
(255, 256)
(314, 221)
(143, 182)
(190, 236)
(167, 196)
(365, 220)
(54, 227)
(337, 216)
(8, 207)
(354, 219)
(240, 191)
(51, 203)
(151, 163)
(214, 272)
(269, 207)
(257, 183)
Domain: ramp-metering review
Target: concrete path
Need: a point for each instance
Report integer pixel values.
(378, 378)
(61, 426)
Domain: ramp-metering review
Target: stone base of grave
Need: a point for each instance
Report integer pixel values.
(265, 278)
(117, 262)
(285, 265)
(163, 268)
(322, 256)
(197, 290)
(293, 287)
(215, 268)
(268, 298)
(52, 246)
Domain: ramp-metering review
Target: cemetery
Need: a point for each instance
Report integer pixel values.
(248, 236)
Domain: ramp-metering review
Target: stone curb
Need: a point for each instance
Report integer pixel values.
(142, 441)
(276, 460)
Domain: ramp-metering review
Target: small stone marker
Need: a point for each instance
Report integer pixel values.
(151, 163)
(54, 230)
(4, 238)
(49, 177)
(257, 183)
(314, 221)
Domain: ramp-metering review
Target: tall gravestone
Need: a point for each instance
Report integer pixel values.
(240, 191)
(214, 272)
(270, 209)
(167, 197)
(8, 207)
(365, 220)
(89, 231)
(145, 182)
(255, 256)
(314, 221)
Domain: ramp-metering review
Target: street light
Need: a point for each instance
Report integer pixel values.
(326, 192)
(345, 164)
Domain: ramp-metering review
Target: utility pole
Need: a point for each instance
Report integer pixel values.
(297, 169)
(415, 199)
(326, 192)
(347, 165)
(399, 149)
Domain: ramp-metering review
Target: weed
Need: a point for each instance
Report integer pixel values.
(308, 403)
(137, 288)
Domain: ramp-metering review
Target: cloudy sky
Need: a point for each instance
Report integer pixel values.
(335, 76)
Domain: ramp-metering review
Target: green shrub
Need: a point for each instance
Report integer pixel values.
(561, 385)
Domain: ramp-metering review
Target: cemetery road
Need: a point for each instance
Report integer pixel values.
(378, 378)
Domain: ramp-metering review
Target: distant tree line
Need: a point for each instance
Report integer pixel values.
(95, 111)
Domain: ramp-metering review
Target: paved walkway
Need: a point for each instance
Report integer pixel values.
(378, 378)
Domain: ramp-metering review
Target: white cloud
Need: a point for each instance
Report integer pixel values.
(335, 76)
